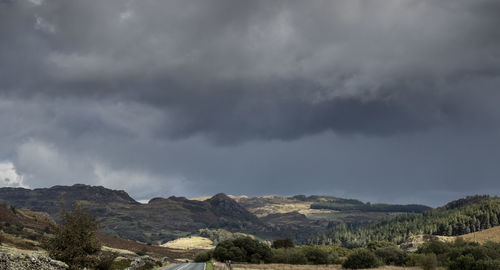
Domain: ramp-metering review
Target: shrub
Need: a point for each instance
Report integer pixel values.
(427, 261)
(242, 250)
(435, 246)
(203, 256)
(121, 264)
(289, 256)
(105, 261)
(316, 255)
(75, 241)
(488, 264)
(283, 243)
(374, 245)
(392, 255)
(142, 252)
(362, 258)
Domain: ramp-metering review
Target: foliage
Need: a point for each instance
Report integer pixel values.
(374, 245)
(121, 264)
(458, 255)
(283, 243)
(307, 255)
(426, 261)
(219, 235)
(289, 256)
(105, 261)
(75, 241)
(368, 207)
(457, 219)
(148, 266)
(392, 255)
(242, 250)
(209, 266)
(362, 258)
(316, 255)
(142, 252)
(204, 256)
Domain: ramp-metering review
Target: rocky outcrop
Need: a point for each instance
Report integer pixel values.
(33, 261)
(142, 261)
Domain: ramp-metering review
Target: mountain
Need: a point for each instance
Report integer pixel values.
(159, 220)
(164, 219)
(50, 200)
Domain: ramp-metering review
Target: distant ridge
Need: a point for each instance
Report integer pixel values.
(159, 220)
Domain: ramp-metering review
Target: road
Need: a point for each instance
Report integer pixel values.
(186, 266)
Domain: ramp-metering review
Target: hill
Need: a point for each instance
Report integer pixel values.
(491, 234)
(160, 220)
(23, 231)
(470, 215)
(165, 219)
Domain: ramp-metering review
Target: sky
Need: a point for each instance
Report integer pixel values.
(383, 101)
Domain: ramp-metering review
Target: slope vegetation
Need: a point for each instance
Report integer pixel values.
(468, 215)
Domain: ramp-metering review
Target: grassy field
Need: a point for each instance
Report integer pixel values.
(197, 242)
(306, 267)
(492, 234)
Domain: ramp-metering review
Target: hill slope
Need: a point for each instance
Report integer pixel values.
(159, 220)
(465, 216)
(491, 234)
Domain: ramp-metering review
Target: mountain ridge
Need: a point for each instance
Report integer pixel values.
(164, 219)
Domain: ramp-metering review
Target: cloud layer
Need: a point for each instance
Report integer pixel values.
(253, 96)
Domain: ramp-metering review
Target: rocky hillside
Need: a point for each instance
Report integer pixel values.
(19, 261)
(159, 220)
(50, 200)
(164, 219)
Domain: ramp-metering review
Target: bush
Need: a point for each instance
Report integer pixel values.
(426, 261)
(289, 256)
(316, 255)
(203, 256)
(392, 255)
(75, 241)
(283, 243)
(242, 250)
(121, 264)
(435, 246)
(105, 261)
(374, 245)
(142, 252)
(362, 258)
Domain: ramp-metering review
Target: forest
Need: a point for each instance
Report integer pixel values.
(460, 217)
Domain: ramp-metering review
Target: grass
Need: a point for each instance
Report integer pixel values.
(209, 266)
(307, 267)
(190, 243)
(491, 234)
(120, 264)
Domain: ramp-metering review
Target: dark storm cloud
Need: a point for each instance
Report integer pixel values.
(256, 70)
(101, 86)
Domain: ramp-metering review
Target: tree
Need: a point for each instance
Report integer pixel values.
(316, 255)
(242, 250)
(362, 258)
(75, 241)
(283, 243)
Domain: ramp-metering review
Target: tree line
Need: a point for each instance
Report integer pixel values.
(448, 221)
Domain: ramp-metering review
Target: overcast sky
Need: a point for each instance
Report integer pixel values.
(384, 101)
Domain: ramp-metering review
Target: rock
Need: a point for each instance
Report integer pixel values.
(35, 261)
(141, 261)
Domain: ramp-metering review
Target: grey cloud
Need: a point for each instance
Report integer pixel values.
(154, 86)
(208, 64)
